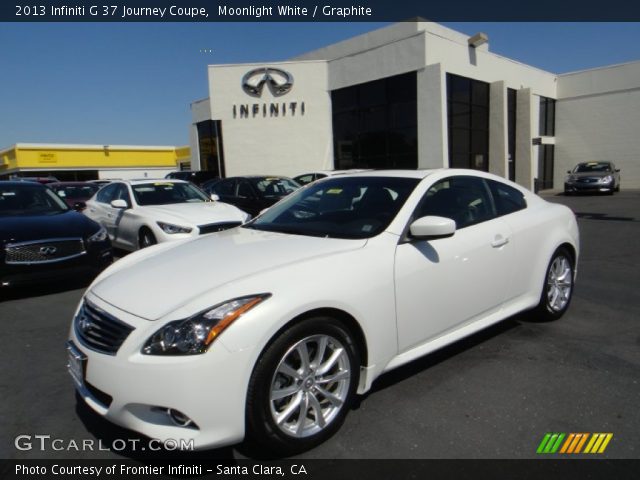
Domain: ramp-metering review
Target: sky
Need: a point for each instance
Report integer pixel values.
(132, 83)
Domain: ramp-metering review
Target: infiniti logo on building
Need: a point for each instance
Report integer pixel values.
(48, 251)
(278, 81)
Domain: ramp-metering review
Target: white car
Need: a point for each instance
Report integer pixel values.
(271, 329)
(140, 213)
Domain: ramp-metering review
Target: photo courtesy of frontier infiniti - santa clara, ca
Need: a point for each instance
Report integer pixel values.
(270, 329)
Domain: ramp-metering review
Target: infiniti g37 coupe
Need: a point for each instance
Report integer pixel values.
(271, 329)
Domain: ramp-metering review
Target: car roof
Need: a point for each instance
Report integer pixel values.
(23, 183)
(70, 184)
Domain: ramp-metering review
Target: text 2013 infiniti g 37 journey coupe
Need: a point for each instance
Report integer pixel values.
(270, 329)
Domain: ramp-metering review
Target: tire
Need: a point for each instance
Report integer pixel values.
(146, 238)
(557, 290)
(300, 385)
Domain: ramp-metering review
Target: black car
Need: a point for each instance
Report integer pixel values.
(42, 239)
(253, 193)
(197, 177)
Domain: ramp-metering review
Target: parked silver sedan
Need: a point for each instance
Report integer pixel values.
(593, 177)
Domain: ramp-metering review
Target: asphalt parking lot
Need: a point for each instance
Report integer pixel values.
(494, 395)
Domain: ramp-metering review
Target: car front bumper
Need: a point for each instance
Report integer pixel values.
(136, 391)
(578, 187)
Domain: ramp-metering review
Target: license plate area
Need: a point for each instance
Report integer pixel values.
(76, 364)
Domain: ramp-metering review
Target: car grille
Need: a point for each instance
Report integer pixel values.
(100, 331)
(589, 180)
(44, 251)
(217, 227)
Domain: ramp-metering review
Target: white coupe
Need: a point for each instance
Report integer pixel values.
(270, 329)
(140, 213)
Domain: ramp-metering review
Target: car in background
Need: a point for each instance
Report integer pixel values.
(42, 240)
(42, 180)
(75, 194)
(198, 177)
(101, 182)
(593, 177)
(270, 330)
(307, 178)
(140, 213)
(253, 193)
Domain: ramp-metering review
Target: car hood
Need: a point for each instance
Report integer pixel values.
(22, 228)
(159, 284)
(201, 213)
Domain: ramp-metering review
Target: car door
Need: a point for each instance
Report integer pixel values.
(100, 208)
(225, 190)
(247, 200)
(445, 283)
(126, 223)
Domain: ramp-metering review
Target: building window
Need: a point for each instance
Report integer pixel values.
(547, 117)
(545, 166)
(375, 124)
(468, 119)
(511, 132)
(210, 147)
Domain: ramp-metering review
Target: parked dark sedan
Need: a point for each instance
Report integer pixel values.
(75, 194)
(42, 240)
(593, 177)
(198, 177)
(253, 193)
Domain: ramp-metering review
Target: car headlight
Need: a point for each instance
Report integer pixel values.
(171, 229)
(99, 236)
(570, 178)
(194, 335)
(607, 179)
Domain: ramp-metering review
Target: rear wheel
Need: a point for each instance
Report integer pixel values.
(558, 287)
(146, 238)
(302, 386)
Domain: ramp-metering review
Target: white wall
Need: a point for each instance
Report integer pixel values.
(265, 144)
(598, 118)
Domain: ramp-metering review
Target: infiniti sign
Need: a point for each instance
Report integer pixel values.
(278, 81)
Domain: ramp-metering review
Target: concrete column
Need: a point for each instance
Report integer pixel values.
(498, 122)
(195, 147)
(524, 134)
(433, 150)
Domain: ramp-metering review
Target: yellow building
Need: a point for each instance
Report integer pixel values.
(91, 162)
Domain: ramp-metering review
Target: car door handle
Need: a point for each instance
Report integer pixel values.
(499, 241)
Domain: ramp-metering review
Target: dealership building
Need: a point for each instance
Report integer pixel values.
(416, 95)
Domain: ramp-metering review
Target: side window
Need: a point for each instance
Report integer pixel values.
(107, 193)
(303, 180)
(466, 200)
(224, 188)
(507, 199)
(244, 189)
(122, 194)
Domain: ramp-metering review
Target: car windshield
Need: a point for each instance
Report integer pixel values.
(163, 193)
(76, 192)
(270, 187)
(29, 199)
(340, 207)
(593, 167)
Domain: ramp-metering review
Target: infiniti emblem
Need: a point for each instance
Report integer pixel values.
(48, 250)
(278, 81)
(84, 323)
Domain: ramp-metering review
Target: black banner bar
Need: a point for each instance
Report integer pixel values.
(315, 10)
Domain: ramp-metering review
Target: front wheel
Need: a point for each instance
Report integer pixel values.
(146, 238)
(303, 386)
(558, 287)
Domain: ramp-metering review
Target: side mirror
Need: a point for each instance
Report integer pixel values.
(568, 171)
(79, 206)
(214, 197)
(432, 227)
(119, 203)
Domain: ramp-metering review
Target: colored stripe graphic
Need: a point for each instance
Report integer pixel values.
(574, 443)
